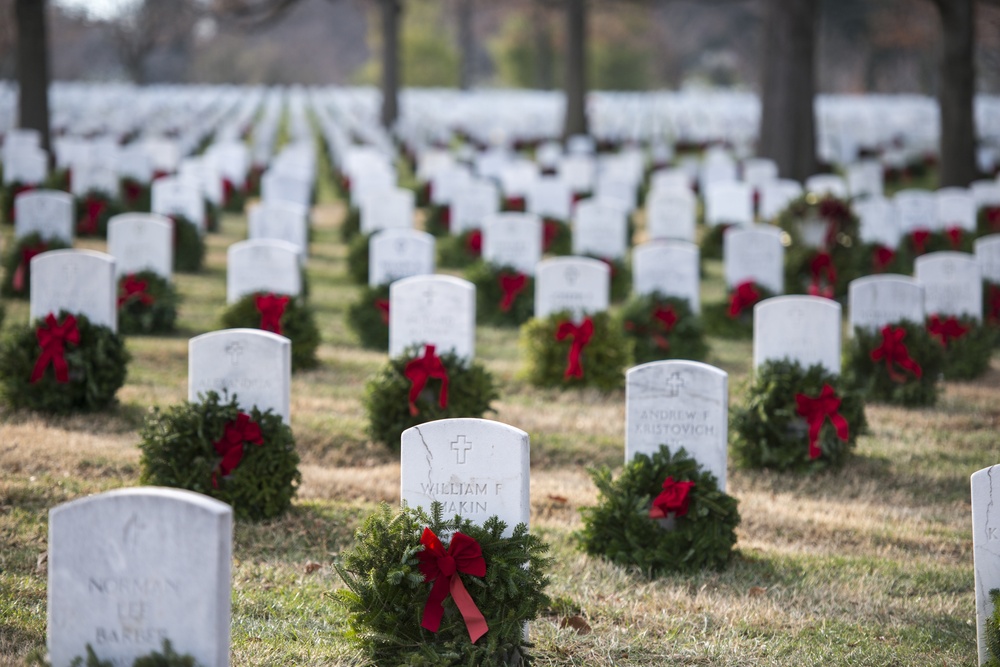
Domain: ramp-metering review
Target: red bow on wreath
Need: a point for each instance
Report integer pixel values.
(93, 207)
(947, 329)
(993, 305)
(581, 336)
(744, 296)
(993, 218)
(894, 351)
(228, 190)
(134, 289)
(954, 235)
(474, 243)
(132, 190)
(271, 308)
(882, 256)
(383, 307)
(420, 369)
(52, 338)
(824, 275)
(920, 237)
(18, 282)
(550, 232)
(815, 411)
(230, 445)
(512, 284)
(464, 555)
(667, 318)
(674, 498)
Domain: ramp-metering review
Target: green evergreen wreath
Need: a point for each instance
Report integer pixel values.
(438, 220)
(711, 241)
(490, 295)
(718, 321)
(17, 263)
(101, 206)
(556, 237)
(878, 381)
(992, 631)
(189, 246)
(213, 217)
(988, 220)
(882, 259)
(136, 195)
(368, 320)
(461, 250)
(991, 308)
(621, 277)
(471, 392)
(152, 309)
(803, 265)
(97, 369)
(298, 324)
(357, 258)
(385, 592)
(604, 358)
(178, 450)
(770, 433)
(351, 226)
(663, 327)
(620, 529)
(967, 356)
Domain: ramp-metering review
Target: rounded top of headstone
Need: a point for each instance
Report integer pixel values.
(883, 278)
(159, 493)
(698, 366)
(133, 217)
(261, 334)
(435, 277)
(432, 428)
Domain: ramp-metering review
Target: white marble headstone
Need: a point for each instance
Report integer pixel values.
(878, 222)
(580, 285)
(77, 281)
(805, 329)
(514, 240)
(754, 253)
(915, 209)
(475, 467)
(952, 284)
(865, 179)
(729, 203)
(262, 265)
(131, 567)
(473, 204)
(956, 208)
(47, 212)
(399, 253)
(875, 301)
(600, 230)
(254, 365)
(281, 221)
(985, 548)
(987, 250)
(549, 197)
(678, 404)
(826, 184)
(670, 268)
(174, 196)
(433, 310)
(775, 196)
(671, 214)
(387, 209)
(142, 242)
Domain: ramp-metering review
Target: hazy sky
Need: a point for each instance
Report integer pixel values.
(99, 9)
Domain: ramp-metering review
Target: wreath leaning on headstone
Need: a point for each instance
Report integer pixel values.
(967, 344)
(61, 363)
(147, 303)
(899, 364)
(991, 308)
(796, 419)
(289, 316)
(93, 210)
(17, 263)
(244, 458)
(368, 317)
(420, 386)
(457, 251)
(627, 526)
(663, 327)
(505, 297)
(733, 318)
(357, 258)
(992, 631)
(561, 353)
(189, 246)
(424, 590)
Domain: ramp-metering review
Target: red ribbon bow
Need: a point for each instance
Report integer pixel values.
(815, 411)
(514, 204)
(824, 275)
(954, 235)
(420, 369)
(667, 319)
(550, 232)
(474, 243)
(230, 445)
(443, 567)
(993, 305)
(993, 217)
(882, 256)
(93, 207)
(271, 308)
(674, 498)
(133, 289)
(383, 308)
(228, 190)
(132, 190)
(947, 329)
(581, 336)
(512, 284)
(20, 278)
(744, 296)
(894, 351)
(52, 338)
(920, 237)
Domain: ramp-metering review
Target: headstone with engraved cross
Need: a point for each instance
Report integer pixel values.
(578, 284)
(254, 365)
(876, 301)
(678, 404)
(142, 242)
(399, 253)
(985, 547)
(476, 468)
(668, 267)
(132, 567)
(805, 329)
(987, 250)
(77, 281)
(514, 240)
(49, 213)
(754, 253)
(262, 265)
(433, 310)
(952, 284)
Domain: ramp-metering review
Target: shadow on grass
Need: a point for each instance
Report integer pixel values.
(308, 531)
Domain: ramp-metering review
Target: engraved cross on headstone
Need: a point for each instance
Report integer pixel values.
(572, 273)
(235, 351)
(461, 447)
(674, 385)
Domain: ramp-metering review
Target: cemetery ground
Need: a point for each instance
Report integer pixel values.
(870, 565)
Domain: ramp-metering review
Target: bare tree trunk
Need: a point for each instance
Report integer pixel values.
(544, 77)
(576, 68)
(466, 44)
(33, 68)
(956, 91)
(391, 10)
(787, 123)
